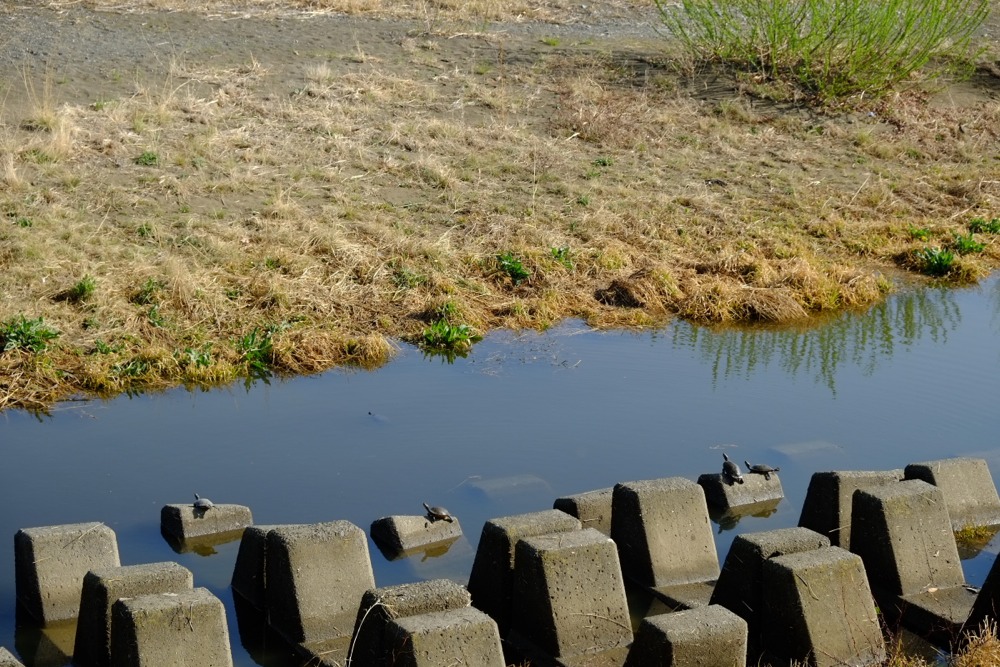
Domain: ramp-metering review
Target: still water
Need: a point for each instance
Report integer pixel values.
(524, 419)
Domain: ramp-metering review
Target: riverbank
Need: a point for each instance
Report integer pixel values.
(196, 197)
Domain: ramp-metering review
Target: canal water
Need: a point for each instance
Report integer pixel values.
(527, 417)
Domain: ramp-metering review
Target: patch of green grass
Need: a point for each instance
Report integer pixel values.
(146, 294)
(406, 279)
(443, 336)
(447, 311)
(919, 233)
(583, 200)
(21, 333)
(132, 368)
(551, 41)
(155, 317)
(982, 226)
(21, 221)
(935, 261)
(603, 162)
(100, 347)
(256, 351)
(967, 243)
(513, 267)
(562, 256)
(81, 291)
(147, 159)
(198, 357)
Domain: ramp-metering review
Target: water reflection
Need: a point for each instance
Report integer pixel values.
(864, 341)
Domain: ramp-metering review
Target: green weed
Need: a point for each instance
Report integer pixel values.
(406, 279)
(100, 347)
(550, 41)
(513, 267)
(561, 255)
(146, 294)
(919, 233)
(20, 333)
(133, 368)
(147, 159)
(603, 162)
(443, 337)
(155, 317)
(256, 351)
(935, 261)
(968, 244)
(201, 358)
(982, 226)
(81, 291)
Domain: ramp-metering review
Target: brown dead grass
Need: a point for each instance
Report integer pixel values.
(340, 203)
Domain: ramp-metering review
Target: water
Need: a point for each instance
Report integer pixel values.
(528, 417)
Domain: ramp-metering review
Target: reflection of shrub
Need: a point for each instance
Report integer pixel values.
(831, 47)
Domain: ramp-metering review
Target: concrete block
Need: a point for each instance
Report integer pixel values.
(396, 535)
(316, 575)
(711, 636)
(903, 534)
(7, 659)
(740, 587)
(663, 532)
(382, 605)
(102, 588)
(937, 614)
(569, 594)
(820, 610)
(184, 522)
(967, 486)
(249, 572)
(186, 628)
(828, 503)
(491, 581)
(592, 508)
(464, 636)
(755, 489)
(50, 563)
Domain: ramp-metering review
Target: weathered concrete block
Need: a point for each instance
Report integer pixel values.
(828, 503)
(316, 575)
(492, 579)
(754, 489)
(967, 486)
(740, 587)
(7, 659)
(663, 533)
(592, 508)
(183, 522)
(102, 588)
(395, 535)
(249, 572)
(186, 628)
(382, 605)
(569, 593)
(711, 636)
(464, 636)
(820, 610)
(903, 534)
(50, 563)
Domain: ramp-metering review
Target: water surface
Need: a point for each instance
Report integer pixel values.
(524, 419)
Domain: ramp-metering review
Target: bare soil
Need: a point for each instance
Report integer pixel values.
(327, 183)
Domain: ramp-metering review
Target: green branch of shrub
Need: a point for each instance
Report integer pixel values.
(833, 48)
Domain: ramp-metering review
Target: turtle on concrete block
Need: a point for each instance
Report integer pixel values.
(202, 505)
(761, 469)
(437, 513)
(730, 471)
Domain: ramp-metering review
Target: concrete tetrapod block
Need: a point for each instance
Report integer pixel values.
(50, 563)
(7, 659)
(592, 508)
(382, 605)
(316, 575)
(967, 486)
(710, 636)
(740, 587)
(102, 588)
(186, 628)
(820, 610)
(396, 535)
(183, 522)
(828, 503)
(569, 593)
(464, 636)
(665, 540)
(719, 492)
(491, 581)
(249, 572)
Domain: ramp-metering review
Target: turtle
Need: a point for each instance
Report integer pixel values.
(761, 469)
(436, 513)
(731, 471)
(202, 505)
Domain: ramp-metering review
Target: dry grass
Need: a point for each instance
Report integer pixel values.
(336, 202)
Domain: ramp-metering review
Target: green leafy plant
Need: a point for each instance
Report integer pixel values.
(147, 159)
(256, 349)
(146, 294)
(935, 261)
(199, 357)
(155, 317)
(100, 347)
(919, 233)
(561, 255)
(21, 333)
(833, 48)
(967, 243)
(81, 291)
(513, 267)
(982, 226)
(443, 336)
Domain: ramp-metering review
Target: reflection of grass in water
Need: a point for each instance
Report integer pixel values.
(859, 340)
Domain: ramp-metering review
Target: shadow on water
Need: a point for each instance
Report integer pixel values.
(522, 419)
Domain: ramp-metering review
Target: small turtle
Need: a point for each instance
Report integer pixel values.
(731, 471)
(202, 505)
(761, 469)
(436, 513)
